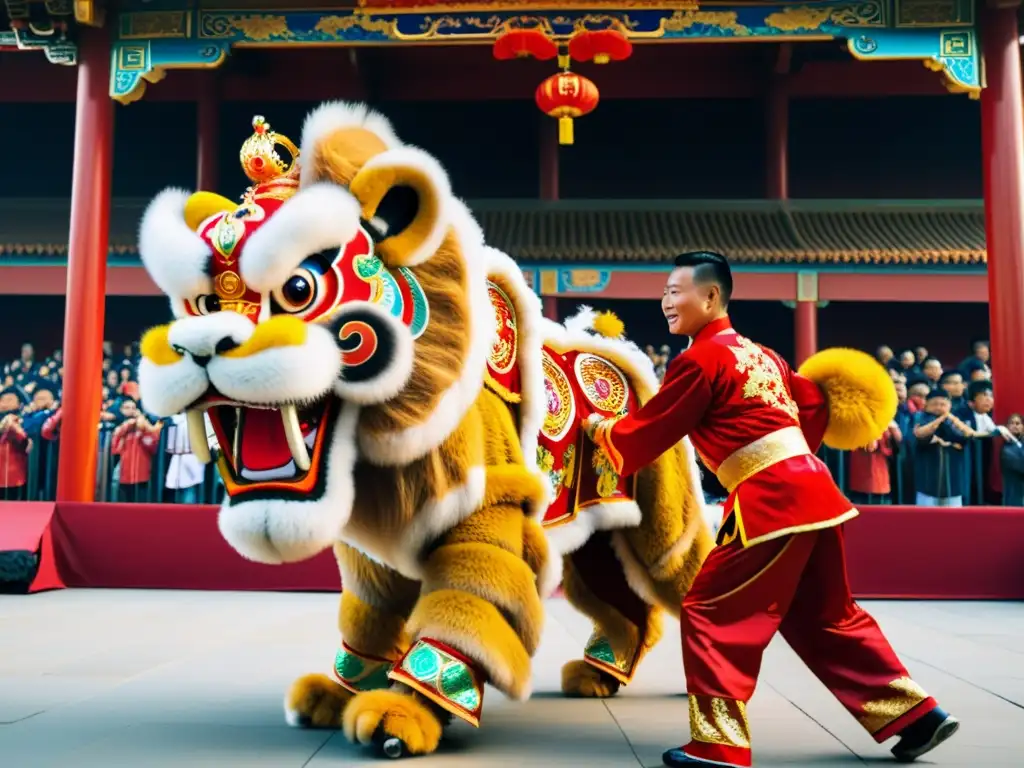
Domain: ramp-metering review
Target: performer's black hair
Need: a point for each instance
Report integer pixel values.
(709, 267)
(939, 393)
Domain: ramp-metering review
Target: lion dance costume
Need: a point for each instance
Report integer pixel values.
(780, 564)
(383, 383)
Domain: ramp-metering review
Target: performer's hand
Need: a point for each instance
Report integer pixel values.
(590, 423)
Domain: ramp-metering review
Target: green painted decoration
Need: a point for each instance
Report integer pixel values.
(441, 673)
(348, 665)
(423, 663)
(360, 673)
(600, 649)
(458, 685)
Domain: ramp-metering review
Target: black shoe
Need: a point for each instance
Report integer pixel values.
(925, 735)
(677, 757)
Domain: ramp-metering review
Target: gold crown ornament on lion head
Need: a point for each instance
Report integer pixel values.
(262, 163)
(226, 226)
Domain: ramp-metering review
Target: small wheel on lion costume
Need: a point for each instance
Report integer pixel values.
(390, 746)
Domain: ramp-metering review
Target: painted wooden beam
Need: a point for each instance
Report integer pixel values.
(462, 74)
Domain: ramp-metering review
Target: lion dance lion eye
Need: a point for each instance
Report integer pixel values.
(299, 292)
(205, 304)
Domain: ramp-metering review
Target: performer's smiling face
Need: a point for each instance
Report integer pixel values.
(689, 303)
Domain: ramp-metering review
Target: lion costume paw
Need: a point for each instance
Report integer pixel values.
(315, 701)
(580, 679)
(403, 716)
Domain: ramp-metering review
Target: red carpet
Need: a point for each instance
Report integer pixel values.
(895, 552)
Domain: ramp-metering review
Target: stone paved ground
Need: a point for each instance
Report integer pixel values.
(126, 679)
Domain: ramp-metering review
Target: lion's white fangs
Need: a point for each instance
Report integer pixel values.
(197, 435)
(298, 445)
(293, 434)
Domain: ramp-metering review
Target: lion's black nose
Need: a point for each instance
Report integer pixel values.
(226, 345)
(202, 359)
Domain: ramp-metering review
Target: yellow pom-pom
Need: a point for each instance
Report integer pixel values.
(860, 393)
(609, 325)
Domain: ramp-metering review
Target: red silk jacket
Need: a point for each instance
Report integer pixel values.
(753, 421)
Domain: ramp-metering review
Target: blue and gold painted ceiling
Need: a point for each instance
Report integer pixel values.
(153, 37)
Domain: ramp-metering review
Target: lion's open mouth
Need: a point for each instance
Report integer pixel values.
(262, 447)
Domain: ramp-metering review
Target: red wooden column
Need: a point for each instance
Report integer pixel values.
(1002, 125)
(208, 130)
(87, 269)
(549, 190)
(806, 328)
(551, 308)
(805, 316)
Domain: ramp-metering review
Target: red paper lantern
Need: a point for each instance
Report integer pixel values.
(601, 46)
(566, 96)
(523, 43)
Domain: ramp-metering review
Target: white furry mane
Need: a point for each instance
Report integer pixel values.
(582, 321)
(174, 256)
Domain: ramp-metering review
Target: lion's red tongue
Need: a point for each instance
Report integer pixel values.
(262, 442)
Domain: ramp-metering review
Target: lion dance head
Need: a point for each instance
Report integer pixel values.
(333, 316)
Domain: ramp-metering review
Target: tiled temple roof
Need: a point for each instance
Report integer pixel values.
(637, 232)
(932, 232)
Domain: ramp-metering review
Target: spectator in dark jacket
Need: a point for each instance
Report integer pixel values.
(1012, 460)
(44, 458)
(980, 402)
(939, 468)
(980, 360)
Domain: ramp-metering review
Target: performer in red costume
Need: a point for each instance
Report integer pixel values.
(780, 561)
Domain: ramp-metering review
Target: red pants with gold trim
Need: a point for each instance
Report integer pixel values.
(797, 585)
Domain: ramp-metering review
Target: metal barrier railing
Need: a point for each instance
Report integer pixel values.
(901, 474)
(40, 475)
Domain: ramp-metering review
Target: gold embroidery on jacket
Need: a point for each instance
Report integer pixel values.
(764, 379)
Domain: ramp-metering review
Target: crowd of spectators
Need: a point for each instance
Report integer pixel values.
(944, 448)
(142, 458)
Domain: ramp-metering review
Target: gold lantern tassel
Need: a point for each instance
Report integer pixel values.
(563, 61)
(565, 130)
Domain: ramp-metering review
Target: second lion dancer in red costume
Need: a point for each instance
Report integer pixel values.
(780, 563)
